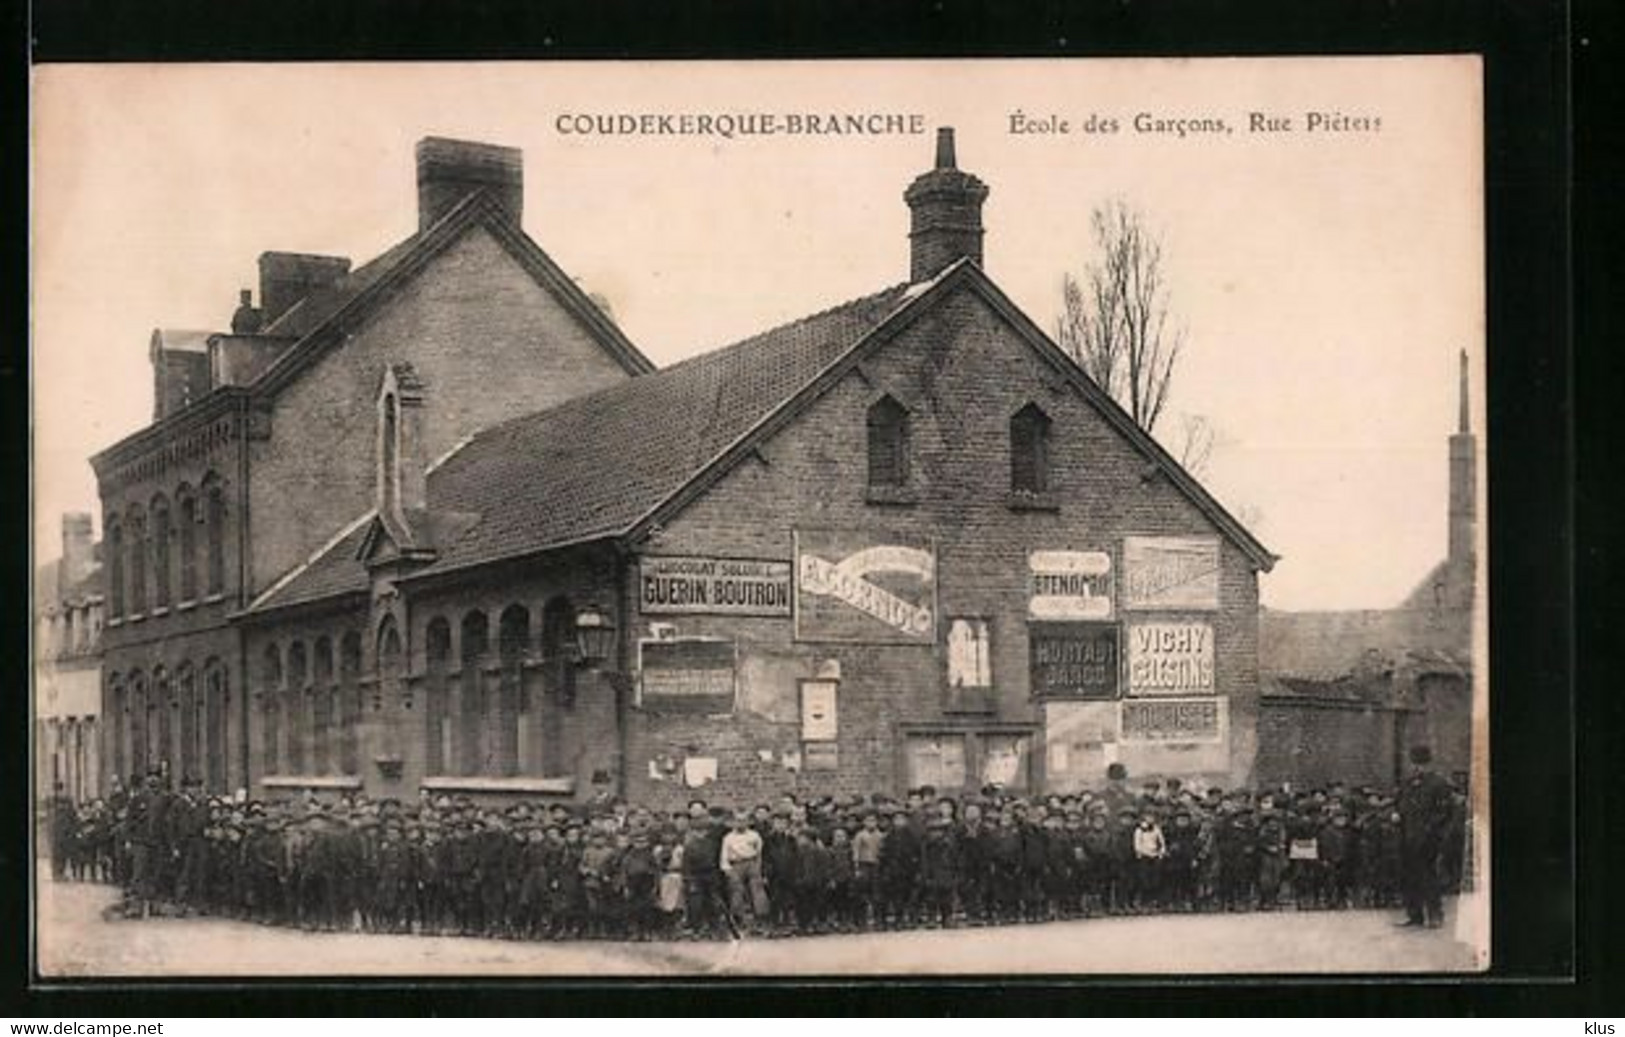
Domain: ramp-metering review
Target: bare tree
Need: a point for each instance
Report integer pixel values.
(1198, 436)
(1115, 321)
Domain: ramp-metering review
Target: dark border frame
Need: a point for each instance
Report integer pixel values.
(1527, 47)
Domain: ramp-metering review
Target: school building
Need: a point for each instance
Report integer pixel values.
(901, 541)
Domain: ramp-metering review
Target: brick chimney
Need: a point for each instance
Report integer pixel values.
(287, 277)
(451, 170)
(1463, 481)
(945, 205)
(78, 550)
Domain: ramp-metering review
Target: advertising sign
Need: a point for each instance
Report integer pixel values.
(818, 720)
(716, 586)
(1174, 720)
(1073, 660)
(1069, 585)
(1171, 572)
(1170, 659)
(865, 588)
(1077, 739)
(686, 675)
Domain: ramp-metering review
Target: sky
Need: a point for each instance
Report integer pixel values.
(1325, 280)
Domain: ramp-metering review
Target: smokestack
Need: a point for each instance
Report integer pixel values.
(451, 170)
(1463, 479)
(287, 277)
(945, 207)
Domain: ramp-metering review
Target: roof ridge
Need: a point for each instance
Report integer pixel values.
(787, 325)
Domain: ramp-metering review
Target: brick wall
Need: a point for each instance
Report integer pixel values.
(1310, 743)
(962, 373)
(489, 344)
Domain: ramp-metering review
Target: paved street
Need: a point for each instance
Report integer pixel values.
(75, 940)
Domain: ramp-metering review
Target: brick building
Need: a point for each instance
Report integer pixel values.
(68, 604)
(1346, 693)
(901, 541)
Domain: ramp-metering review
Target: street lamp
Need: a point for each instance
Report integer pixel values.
(595, 636)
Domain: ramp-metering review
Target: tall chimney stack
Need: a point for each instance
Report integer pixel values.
(451, 170)
(1463, 479)
(287, 277)
(78, 549)
(945, 207)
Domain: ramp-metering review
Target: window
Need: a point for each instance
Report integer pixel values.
(188, 546)
(162, 705)
(321, 710)
(160, 553)
(1029, 451)
(888, 443)
(116, 683)
(115, 570)
(936, 760)
(216, 520)
(270, 702)
(513, 707)
(138, 724)
(436, 717)
(475, 647)
(350, 702)
(294, 707)
(389, 473)
(186, 681)
(138, 562)
(216, 704)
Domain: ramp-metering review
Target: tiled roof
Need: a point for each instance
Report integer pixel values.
(593, 466)
(1328, 646)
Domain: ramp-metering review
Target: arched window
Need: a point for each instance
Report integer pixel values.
(321, 711)
(389, 471)
(115, 570)
(215, 506)
(436, 717)
(350, 702)
(513, 638)
(217, 704)
(162, 706)
(1029, 450)
(138, 724)
(159, 531)
(559, 675)
(186, 508)
(294, 708)
(391, 678)
(136, 525)
(117, 706)
(191, 729)
(475, 647)
(888, 443)
(271, 704)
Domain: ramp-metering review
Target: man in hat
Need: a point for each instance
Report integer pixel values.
(1424, 818)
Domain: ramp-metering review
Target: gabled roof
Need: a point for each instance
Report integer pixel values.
(618, 461)
(321, 320)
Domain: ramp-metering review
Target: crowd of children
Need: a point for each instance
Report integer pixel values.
(448, 866)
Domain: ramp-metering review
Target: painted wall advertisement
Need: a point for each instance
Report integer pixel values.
(686, 675)
(864, 587)
(1171, 573)
(1069, 585)
(818, 717)
(1076, 737)
(1170, 659)
(1073, 660)
(1174, 720)
(715, 586)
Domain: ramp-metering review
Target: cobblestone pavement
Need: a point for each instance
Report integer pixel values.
(74, 939)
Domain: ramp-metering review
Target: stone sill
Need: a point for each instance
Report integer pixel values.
(898, 496)
(1021, 500)
(210, 599)
(536, 786)
(311, 781)
(186, 606)
(161, 610)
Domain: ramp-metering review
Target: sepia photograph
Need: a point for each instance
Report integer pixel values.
(1018, 517)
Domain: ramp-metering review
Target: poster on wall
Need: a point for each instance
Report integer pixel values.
(1174, 720)
(863, 587)
(1171, 573)
(686, 585)
(1069, 585)
(1074, 660)
(1077, 736)
(1170, 659)
(818, 719)
(686, 675)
